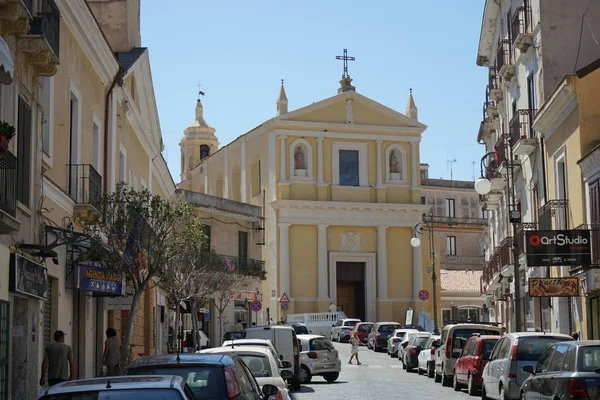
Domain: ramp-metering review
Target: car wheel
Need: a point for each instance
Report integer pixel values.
(304, 376)
(331, 377)
(483, 394)
(408, 367)
(403, 364)
(430, 370)
(455, 384)
(446, 380)
(438, 378)
(419, 371)
(471, 388)
(502, 393)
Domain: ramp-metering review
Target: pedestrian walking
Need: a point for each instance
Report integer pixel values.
(354, 342)
(281, 321)
(333, 310)
(189, 342)
(238, 327)
(112, 353)
(58, 361)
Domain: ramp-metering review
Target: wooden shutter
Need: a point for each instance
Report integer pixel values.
(24, 158)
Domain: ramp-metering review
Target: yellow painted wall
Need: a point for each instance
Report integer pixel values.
(303, 261)
(400, 263)
(368, 238)
(588, 88)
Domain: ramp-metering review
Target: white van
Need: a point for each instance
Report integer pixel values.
(453, 339)
(285, 341)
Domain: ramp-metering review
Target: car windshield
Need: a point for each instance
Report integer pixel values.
(233, 335)
(487, 346)
(350, 323)
(206, 381)
(421, 340)
(365, 328)
(125, 394)
(462, 335)
(387, 329)
(400, 334)
(301, 330)
(258, 365)
(320, 344)
(589, 359)
(532, 347)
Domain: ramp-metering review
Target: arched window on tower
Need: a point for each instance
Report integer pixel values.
(204, 151)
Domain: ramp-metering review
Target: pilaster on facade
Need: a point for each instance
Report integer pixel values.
(322, 273)
(415, 165)
(243, 172)
(379, 161)
(320, 141)
(284, 258)
(282, 159)
(382, 281)
(225, 174)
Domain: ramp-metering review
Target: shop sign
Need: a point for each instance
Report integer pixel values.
(553, 287)
(245, 295)
(100, 280)
(558, 248)
(122, 303)
(28, 277)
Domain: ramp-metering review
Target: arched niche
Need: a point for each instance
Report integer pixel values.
(395, 164)
(301, 159)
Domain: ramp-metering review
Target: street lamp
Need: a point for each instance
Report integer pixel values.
(483, 186)
(416, 242)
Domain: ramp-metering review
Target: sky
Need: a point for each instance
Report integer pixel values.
(240, 50)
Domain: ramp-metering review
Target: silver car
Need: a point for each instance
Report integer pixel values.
(503, 375)
(342, 329)
(396, 338)
(318, 357)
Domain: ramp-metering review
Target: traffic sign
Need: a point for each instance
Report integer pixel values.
(423, 294)
(284, 306)
(284, 298)
(256, 306)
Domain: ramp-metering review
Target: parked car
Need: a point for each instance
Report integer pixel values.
(300, 328)
(454, 337)
(403, 343)
(363, 329)
(566, 370)
(396, 338)
(469, 366)
(343, 329)
(411, 352)
(503, 375)
(210, 376)
(318, 357)
(262, 363)
(257, 342)
(285, 340)
(232, 336)
(426, 358)
(166, 387)
(378, 337)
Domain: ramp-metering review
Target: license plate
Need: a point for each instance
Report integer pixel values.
(328, 366)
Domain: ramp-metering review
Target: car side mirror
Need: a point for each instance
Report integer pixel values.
(485, 357)
(286, 374)
(286, 364)
(269, 390)
(529, 369)
(281, 357)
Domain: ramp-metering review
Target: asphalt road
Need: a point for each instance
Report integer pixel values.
(379, 377)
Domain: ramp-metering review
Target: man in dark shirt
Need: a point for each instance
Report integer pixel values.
(58, 361)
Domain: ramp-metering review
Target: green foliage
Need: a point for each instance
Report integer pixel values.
(7, 130)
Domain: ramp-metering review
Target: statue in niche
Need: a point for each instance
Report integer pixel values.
(394, 163)
(299, 158)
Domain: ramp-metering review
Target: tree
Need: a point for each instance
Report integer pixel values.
(142, 236)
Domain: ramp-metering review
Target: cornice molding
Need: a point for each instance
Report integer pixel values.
(488, 32)
(83, 26)
(57, 195)
(347, 135)
(351, 128)
(556, 109)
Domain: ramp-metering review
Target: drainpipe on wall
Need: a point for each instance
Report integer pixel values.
(118, 79)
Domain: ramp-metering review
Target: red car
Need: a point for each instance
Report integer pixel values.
(469, 366)
(363, 329)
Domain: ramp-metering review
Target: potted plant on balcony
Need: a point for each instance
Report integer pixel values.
(7, 132)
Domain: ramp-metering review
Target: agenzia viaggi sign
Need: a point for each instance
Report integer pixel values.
(558, 248)
(100, 280)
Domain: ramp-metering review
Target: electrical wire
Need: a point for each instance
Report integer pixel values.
(581, 34)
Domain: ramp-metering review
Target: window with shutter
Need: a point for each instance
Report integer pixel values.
(24, 153)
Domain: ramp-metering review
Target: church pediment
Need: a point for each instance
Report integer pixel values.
(351, 108)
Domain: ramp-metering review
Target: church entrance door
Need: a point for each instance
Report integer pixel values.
(351, 288)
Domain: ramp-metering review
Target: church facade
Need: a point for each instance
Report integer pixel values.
(339, 184)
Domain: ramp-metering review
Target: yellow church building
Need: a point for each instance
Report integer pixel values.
(339, 184)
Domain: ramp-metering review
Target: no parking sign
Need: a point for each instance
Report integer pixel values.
(423, 294)
(256, 306)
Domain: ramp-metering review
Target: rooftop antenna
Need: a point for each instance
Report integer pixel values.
(450, 164)
(473, 162)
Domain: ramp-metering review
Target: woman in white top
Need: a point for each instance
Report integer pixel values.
(354, 342)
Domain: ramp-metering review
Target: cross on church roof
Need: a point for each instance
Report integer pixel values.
(346, 59)
(200, 92)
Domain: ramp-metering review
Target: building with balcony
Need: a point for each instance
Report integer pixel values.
(521, 78)
(458, 223)
(568, 121)
(235, 236)
(340, 187)
(75, 123)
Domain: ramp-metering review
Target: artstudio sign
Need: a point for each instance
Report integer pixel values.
(558, 248)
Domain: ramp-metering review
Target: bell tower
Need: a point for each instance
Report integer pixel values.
(198, 142)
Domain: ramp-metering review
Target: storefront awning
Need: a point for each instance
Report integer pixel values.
(6, 63)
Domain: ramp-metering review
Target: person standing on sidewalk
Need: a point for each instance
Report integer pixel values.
(58, 361)
(112, 353)
(333, 310)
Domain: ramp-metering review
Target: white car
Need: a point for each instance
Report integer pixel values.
(402, 345)
(396, 338)
(427, 356)
(261, 363)
(254, 342)
(318, 357)
(343, 329)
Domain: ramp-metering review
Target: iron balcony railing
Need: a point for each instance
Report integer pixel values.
(487, 103)
(553, 215)
(495, 160)
(506, 257)
(503, 54)
(494, 79)
(521, 21)
(47, 24)
(85, 185)
(459, 220)
(244, 265)
(521, 125)
(520, 233)
(595, 240)
(8, 183)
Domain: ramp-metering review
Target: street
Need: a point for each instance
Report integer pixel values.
(379, 377)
